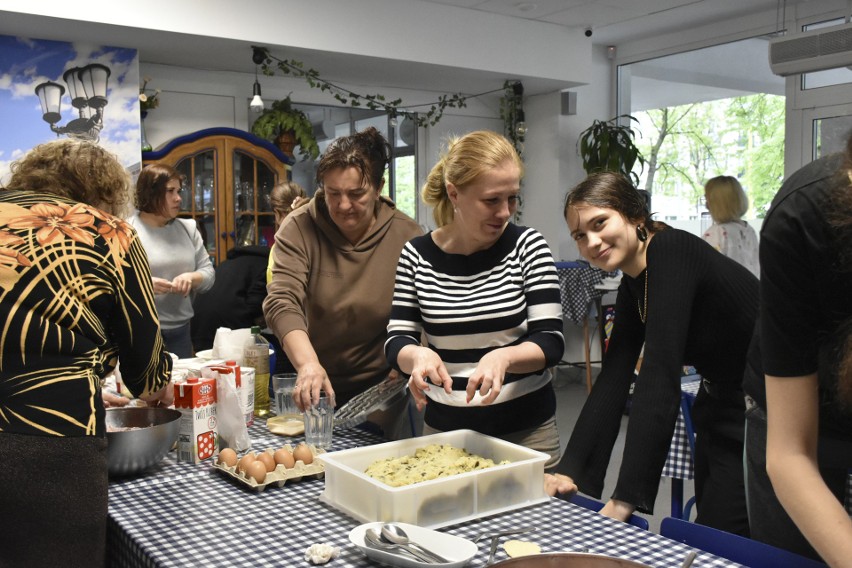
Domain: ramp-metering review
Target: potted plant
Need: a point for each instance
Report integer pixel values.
(286, 126)
(607, 146)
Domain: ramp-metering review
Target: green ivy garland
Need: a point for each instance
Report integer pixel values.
(394, 108)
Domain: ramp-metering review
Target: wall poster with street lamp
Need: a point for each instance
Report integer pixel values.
(50, 89)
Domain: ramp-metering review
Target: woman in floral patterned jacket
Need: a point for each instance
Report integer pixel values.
(75, 292)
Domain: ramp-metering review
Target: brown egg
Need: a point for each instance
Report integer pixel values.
(257, 470)
(245, 461)
(303, 453)
(284, 457)
(267, 459)
(228, 457)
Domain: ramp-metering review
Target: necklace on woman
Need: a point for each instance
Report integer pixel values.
(643, 314)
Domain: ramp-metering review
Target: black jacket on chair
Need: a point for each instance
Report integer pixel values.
(236, 299)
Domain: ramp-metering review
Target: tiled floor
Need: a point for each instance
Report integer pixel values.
(570, 385)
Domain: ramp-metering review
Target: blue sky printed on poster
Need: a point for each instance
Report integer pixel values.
(25, 63)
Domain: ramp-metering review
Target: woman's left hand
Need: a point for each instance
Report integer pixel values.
(618, 510)
(557, 483)
(488, 376)
(113, 400)
(182, 284)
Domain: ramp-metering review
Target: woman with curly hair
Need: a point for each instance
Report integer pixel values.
(75, 294)
(799, 422)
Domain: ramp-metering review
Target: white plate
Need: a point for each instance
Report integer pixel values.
(205, 354)
(454, 548)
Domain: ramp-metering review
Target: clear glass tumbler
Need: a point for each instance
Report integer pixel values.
(319, 423)
(282, 386)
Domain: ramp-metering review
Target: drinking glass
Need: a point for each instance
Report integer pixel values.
(282, 386)
(319, 422)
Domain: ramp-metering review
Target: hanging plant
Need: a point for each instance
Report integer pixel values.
(353, 99)
(512, 113)
(283, 118)
(607, 146)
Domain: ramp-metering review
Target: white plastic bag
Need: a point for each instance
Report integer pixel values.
(232, 425)
(228, 344)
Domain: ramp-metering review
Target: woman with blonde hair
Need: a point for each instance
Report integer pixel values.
(484, 292)
(284, 198)
(729, 234)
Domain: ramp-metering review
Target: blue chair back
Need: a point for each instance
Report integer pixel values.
(595, 505)
(560, 264)
(733, 547)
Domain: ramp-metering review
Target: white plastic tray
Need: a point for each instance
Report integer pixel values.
(438, 502)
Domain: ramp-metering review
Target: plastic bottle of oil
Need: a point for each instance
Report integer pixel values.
(256, 354)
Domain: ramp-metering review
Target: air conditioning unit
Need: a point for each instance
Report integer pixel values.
(815, 50)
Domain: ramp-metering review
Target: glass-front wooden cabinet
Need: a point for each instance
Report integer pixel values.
(228, 176)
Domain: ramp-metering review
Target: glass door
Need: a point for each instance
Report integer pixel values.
(199, 195)
(253, 182)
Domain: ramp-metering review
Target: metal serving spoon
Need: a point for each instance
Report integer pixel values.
(396, 534)
(373, 540)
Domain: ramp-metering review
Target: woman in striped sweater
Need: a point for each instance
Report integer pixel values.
(485, 295)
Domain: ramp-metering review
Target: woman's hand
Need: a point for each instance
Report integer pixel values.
(164, 397)
(182, 284)
(161, 285)
(310, 381)
(618, 510)
(113, 400)
(426, 367)
(488, 376)
(557, 483)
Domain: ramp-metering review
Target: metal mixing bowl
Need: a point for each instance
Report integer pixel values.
(134, 451)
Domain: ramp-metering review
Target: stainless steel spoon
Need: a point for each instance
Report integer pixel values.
(373, 540)
(396, 534)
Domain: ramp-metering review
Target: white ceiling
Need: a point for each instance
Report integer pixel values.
(613, 22)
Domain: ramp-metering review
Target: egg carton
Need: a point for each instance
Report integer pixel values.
(379, 397)
(278, 476)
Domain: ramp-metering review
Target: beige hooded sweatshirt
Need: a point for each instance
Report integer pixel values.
(339, 293)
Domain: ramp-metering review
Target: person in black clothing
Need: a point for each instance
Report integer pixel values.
(687, 304)
(799, 379)
(236, 299)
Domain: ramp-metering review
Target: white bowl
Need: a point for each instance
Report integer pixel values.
(207, 354)
(456, 549)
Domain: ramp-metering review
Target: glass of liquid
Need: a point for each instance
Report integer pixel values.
(319, 423)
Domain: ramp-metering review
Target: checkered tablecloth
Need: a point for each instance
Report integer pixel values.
(190, 515)
(577, 290)
(679, 461)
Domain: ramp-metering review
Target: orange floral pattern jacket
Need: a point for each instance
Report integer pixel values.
(75, 291)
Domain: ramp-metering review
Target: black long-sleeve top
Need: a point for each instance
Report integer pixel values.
(701, 311)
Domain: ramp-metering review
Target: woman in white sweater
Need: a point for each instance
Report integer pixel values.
(179, 261)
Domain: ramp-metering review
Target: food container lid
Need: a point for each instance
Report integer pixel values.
(379, 397)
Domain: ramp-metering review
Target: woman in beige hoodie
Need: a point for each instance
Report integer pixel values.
(334, 262)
